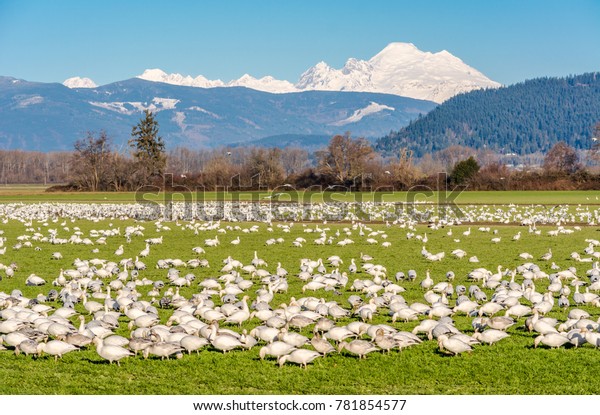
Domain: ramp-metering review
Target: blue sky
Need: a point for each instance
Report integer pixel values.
(107, 40)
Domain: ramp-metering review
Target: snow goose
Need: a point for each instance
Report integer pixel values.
(222, 341)
(321, 345)
(55, 348)
(490, 336)
(452, 345)
(111, 353)
(358, 347)
(276, 349)
(299, 356)
(551, 340)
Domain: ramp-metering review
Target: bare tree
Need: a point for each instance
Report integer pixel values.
(430, 166)
(91, 161)
(452, 155)
(121, 174)
(403, 171)
(266, 165)
(344, 158)
(219, 171)
(294, 160)
(561, 159)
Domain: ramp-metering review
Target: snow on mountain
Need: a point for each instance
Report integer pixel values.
(193, 117)
(26, 101)
(77, 82)
(359, 114)
(400, 69)
(131, 107)
(265, 84)
(157, 75)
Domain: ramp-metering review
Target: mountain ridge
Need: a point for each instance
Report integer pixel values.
(399, 69)
(523, 118)
(51, 116)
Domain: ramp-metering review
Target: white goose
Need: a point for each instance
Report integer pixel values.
(277, 349)
(110, 353)
(56, 348)
(300, 356)
(223, 342)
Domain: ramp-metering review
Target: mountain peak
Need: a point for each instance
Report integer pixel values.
(153, 75)
(158, 75)
(265, 84)
(77, 82)
(400, 46)
(400, 69)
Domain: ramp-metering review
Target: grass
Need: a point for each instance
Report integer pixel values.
(37, 193)
(509, 367)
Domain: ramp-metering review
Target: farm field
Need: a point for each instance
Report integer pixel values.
(511, 366)
(37, 193)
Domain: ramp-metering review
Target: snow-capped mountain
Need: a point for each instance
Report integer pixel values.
(77, 82)
(157, 75)
(399, 69)
(265, 84)
(49, 117)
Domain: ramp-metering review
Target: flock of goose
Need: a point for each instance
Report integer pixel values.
(232, 211)
(164, 309)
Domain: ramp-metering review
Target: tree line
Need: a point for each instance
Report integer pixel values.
(32, 167)
(352, 163)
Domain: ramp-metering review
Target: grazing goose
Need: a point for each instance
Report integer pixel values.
(222, 341)
(592, 338)
(78, 339)
(264, 333)
(384, 342)
(277, 349)
(27, 347)
(339, 334)
(115, 340)
(292, 338)
(92, 307)
(55, 348)
(321, 345)
(139, 344)
(240, 316)
(452, 345)
(163, 350)
(193, 343)
(576, 337)
(300, 356)
(499, 322)
(110, 353)
(551, 340)
(518, 310)
(490, 336)
(14, 339)
(358, 347)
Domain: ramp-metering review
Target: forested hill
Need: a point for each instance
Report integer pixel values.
(522, 118)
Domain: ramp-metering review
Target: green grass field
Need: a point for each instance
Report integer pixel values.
(512, 366)
(36, 193)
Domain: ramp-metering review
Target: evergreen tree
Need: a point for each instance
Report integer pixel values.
(464, 170)
(148, 147)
